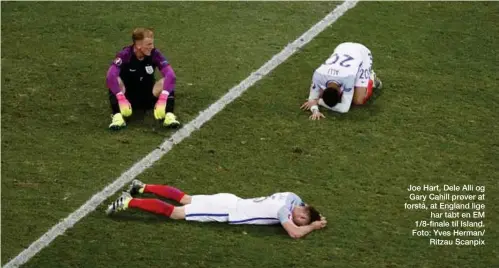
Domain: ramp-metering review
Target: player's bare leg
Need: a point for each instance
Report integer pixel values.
(186, 199)
(170, 118)
(178, 213)
(158, 87)
(363, 94)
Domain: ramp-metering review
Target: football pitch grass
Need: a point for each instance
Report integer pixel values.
(435, 123)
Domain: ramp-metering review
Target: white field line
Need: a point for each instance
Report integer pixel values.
(178, 136)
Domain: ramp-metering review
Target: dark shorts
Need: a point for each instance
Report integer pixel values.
(140, 95)
(137, 99)
(141, 98)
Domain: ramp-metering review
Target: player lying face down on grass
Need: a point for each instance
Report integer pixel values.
(285, 208)
(345, 77)
(132, 85)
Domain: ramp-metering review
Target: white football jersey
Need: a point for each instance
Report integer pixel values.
(266, 210)
(346, 66)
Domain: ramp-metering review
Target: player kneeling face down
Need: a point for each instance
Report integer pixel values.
(285, 208)
(131, 82)
(345, 77)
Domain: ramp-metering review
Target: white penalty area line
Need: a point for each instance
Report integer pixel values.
(178, 136)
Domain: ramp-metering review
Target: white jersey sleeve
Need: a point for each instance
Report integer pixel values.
(315, 92)
(285, 212)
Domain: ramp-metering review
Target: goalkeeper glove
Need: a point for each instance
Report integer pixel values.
(125, 107)
(159, 108)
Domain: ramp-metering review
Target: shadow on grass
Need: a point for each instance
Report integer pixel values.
(144, 121)
(252, 230)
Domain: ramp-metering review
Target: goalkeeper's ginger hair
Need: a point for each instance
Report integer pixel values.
(139, 34)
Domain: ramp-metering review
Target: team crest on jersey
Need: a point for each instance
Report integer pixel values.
(117, 61)
(149, 69)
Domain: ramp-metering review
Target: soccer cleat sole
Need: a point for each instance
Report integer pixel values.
(380, 84)
(116, 128)
(173, 125)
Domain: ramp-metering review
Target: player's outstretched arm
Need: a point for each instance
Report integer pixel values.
(169, 82)
(313, 98)
(112, 81)
(312, 101)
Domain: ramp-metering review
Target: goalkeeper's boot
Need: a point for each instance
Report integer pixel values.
(136, 187)
(117, 122)
(119, 204)
(171, 121)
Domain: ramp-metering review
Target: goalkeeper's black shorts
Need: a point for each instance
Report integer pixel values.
(139, 98)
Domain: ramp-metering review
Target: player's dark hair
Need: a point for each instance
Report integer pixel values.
(331, 96)
(314, 214)
(139, 34)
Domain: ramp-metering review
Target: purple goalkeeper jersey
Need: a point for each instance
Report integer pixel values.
(139, 74)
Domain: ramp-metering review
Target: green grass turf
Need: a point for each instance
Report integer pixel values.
(435, 123)
(56, 148)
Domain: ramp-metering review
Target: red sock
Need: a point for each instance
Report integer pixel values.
(152, 205)
(164, 191)
(369, 92)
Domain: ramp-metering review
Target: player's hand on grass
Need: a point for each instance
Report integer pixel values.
(125, 107)
(308, 104)
(316, 116)
(312, 106)
(159, 108)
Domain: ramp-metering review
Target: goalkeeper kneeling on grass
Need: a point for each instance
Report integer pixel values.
(132, 85)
